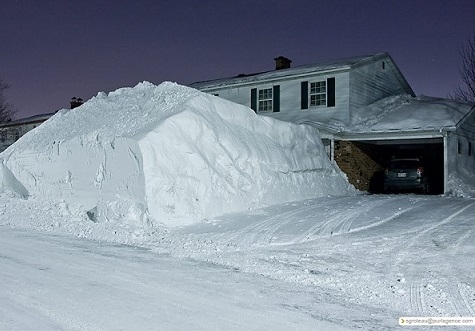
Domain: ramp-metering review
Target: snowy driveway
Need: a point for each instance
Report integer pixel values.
(357, 262)
(412, 253)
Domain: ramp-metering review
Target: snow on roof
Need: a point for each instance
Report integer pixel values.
(322, 66)
(394, 114)
(407, 113)
(169, 154)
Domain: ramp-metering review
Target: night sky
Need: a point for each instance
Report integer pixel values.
(53, 50)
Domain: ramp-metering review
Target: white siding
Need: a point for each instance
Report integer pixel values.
(462, 160)
(241, 95)
(373, 82)
(10, 134)
(340, 111)
(290, 97)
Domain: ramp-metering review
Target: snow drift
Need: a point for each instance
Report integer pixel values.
(405, 112)
(171, 154)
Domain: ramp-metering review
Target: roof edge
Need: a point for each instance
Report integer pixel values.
(343, 64)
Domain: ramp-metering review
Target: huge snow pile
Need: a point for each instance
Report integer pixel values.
(170, 154)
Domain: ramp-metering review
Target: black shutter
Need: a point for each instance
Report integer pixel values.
(254, 99)
(331, 92)
(304, 95)
(276, 99)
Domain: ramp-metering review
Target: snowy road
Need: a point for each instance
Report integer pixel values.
(327, 263)
(51, 282)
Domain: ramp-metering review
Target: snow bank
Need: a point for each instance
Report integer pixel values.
(171, 154)
(8, 183)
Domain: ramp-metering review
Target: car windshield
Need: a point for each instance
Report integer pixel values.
(404, 164)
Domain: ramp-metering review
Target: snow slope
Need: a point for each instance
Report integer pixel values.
(168, 154)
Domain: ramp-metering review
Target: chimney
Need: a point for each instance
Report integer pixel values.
(282, 63)
(76, 102)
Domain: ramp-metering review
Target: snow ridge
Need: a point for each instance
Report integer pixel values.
(170, 154)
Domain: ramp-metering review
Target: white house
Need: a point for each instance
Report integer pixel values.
(366, 112)
(13, 130)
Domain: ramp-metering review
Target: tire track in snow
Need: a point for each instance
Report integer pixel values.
(344, 223)
(416, 299)
(455, 295)
(447, 219)
(319, 230)
(416, 238)
(460, 240)
(464, 294)
(385, 220)
(264, 231)
(459, 300)
(457, 290)
(334, 220)
(51, 313)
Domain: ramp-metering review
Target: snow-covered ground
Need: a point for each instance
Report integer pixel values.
(161, 207)
(329, 263)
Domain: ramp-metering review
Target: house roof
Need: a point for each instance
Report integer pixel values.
(28, 120)
(394, 116)
(407, 113)
(320, 67)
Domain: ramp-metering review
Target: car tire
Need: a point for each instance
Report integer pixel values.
(426, 189)
(387, 190)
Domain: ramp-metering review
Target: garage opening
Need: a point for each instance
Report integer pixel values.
(364, 162)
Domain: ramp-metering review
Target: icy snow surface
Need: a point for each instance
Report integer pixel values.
(331, 263)
(168, 154)
(83, 245)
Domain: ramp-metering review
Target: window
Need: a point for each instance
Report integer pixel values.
(318, 93)
(265, 100)
(459, 147)
(469, 148)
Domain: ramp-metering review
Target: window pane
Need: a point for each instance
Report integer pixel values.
(265, 100)
(318, 96)
(265, 94)
(265, 105)
(318, 100)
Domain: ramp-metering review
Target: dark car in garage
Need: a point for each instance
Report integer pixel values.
(406, 174)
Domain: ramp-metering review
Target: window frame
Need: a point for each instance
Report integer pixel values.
(316, 96)
(265, 99)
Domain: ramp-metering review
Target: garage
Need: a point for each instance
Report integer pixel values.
(364, 161)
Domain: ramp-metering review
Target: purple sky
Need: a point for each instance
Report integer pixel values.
(53, 50)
